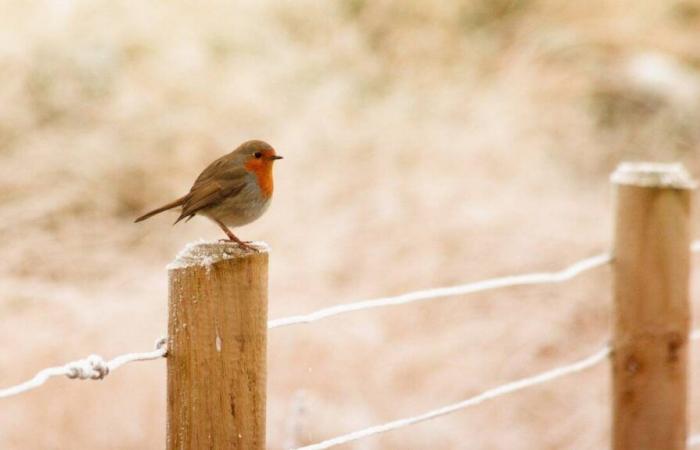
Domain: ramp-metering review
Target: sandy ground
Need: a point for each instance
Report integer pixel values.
(426, 144)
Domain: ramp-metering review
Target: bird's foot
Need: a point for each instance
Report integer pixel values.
(245, 244)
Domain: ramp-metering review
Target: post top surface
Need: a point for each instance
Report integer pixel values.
(206, 253)
(647, 174)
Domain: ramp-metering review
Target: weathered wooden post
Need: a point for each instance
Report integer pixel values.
(651, 306)
(217, 338)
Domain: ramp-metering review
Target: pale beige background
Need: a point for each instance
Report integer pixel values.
(426, 143)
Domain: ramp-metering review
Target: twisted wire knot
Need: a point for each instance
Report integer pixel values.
(93, 367)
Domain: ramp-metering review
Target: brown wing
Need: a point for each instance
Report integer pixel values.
(216, 183)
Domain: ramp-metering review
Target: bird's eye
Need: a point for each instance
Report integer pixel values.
(258, 155)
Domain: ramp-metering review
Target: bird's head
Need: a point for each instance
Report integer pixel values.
(257, 156)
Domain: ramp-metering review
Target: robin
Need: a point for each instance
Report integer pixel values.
(234, 190)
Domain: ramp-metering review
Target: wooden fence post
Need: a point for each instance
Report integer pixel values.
(651, 306)
(217, 338)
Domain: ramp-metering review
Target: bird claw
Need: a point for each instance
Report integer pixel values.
(243, 244)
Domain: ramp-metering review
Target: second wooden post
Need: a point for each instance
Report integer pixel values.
(651, 310)
(217, 331)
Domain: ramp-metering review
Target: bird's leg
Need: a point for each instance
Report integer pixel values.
(232, 237)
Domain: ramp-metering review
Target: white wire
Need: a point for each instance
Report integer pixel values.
(469, 288)
(543, 377)
(92, 367)
(508, 388)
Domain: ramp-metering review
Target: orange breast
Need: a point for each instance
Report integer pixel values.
(263, 172)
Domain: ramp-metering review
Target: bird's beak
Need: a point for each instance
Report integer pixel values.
(276, 157)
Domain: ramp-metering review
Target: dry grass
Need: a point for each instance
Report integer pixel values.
(426, 143)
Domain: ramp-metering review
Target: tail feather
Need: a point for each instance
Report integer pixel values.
(166, 207)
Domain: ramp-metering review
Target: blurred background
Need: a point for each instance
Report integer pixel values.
(426, 144)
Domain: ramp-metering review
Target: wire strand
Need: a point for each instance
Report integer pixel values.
(93, 367)
(469, 288)
(489, 394)
(508, 388)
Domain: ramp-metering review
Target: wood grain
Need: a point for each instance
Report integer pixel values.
(651, 308)
(217, 333)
